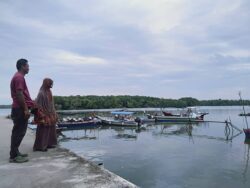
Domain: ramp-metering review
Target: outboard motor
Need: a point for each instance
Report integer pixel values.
(150, 116)
(138, 120)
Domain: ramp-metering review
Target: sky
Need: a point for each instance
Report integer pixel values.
(158, 48)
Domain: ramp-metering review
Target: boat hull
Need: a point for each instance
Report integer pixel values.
(176, 119)
(247, 133)
(77, 125)
(119, 123)
(242, 114)
(146, 121)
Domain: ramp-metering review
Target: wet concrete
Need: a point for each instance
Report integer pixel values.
(55, 168)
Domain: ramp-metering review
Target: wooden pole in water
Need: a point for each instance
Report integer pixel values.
(225, 122)
(243, 109)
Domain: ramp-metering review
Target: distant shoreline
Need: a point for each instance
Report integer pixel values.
(126, 101)
(90, 102)
(5, 106)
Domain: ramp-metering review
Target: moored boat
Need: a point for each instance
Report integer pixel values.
(244, 114)
(119, 123)
(190, 114)
(247, 133)
(247, 130)
(77, 125)
(177, 119)
(120, 118)
(148, 120)
(170, 114)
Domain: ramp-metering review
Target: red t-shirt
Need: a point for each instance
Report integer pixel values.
(18, 83)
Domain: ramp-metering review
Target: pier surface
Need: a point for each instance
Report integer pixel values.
(55, 168)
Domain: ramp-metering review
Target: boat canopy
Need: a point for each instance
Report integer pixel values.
(122, 113)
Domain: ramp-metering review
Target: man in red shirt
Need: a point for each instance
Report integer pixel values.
(20, 110)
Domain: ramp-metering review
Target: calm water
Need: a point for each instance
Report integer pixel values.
(5, 111)
(171, 155)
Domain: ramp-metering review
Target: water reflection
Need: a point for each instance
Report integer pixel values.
(84, 134)
(172, 129)
(176, 129)
(127, 133)
(160, 129)
(170, 155)
(126, 136)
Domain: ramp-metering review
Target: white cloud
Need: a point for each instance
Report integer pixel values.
(156, 16)
(69, 58)
(139, 75)
(69, 30)
(152, 16)
(240, 67)
(129, 45)
(238, 53)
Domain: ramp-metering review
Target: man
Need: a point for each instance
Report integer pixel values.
(20, 110)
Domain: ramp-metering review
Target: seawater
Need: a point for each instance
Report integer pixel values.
(171, 155)
(5, 111)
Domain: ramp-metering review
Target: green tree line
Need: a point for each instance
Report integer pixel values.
(5, 106)
(126, 101)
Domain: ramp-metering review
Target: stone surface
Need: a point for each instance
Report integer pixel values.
(56, 168)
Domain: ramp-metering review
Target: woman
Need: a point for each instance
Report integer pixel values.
(45, 118)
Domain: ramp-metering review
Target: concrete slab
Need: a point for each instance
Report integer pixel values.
(56, 168)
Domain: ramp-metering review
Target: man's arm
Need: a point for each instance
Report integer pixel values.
(21, 102)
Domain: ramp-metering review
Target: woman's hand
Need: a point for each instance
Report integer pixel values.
(26, 114)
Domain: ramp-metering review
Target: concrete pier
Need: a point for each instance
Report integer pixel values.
(55, 168)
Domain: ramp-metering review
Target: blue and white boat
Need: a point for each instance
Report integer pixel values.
(120, 118)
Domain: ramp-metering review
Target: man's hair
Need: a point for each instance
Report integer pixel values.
(20, 63)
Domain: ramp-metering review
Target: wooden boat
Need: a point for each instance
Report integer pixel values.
(120, 118)
(77, 125)
(244, 114)
(113, 122)
(247, 133)
(247, 141)
(177, 119)
(80, 123)
(189, 114)
(247, 130)
(170, 114)
(148, 119)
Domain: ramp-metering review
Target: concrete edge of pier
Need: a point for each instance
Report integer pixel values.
(57, 167)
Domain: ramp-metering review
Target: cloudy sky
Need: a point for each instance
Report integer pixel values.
(160, 48)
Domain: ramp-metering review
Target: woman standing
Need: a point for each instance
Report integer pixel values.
(45, 118)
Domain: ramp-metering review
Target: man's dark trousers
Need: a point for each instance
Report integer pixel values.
(18, 131)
